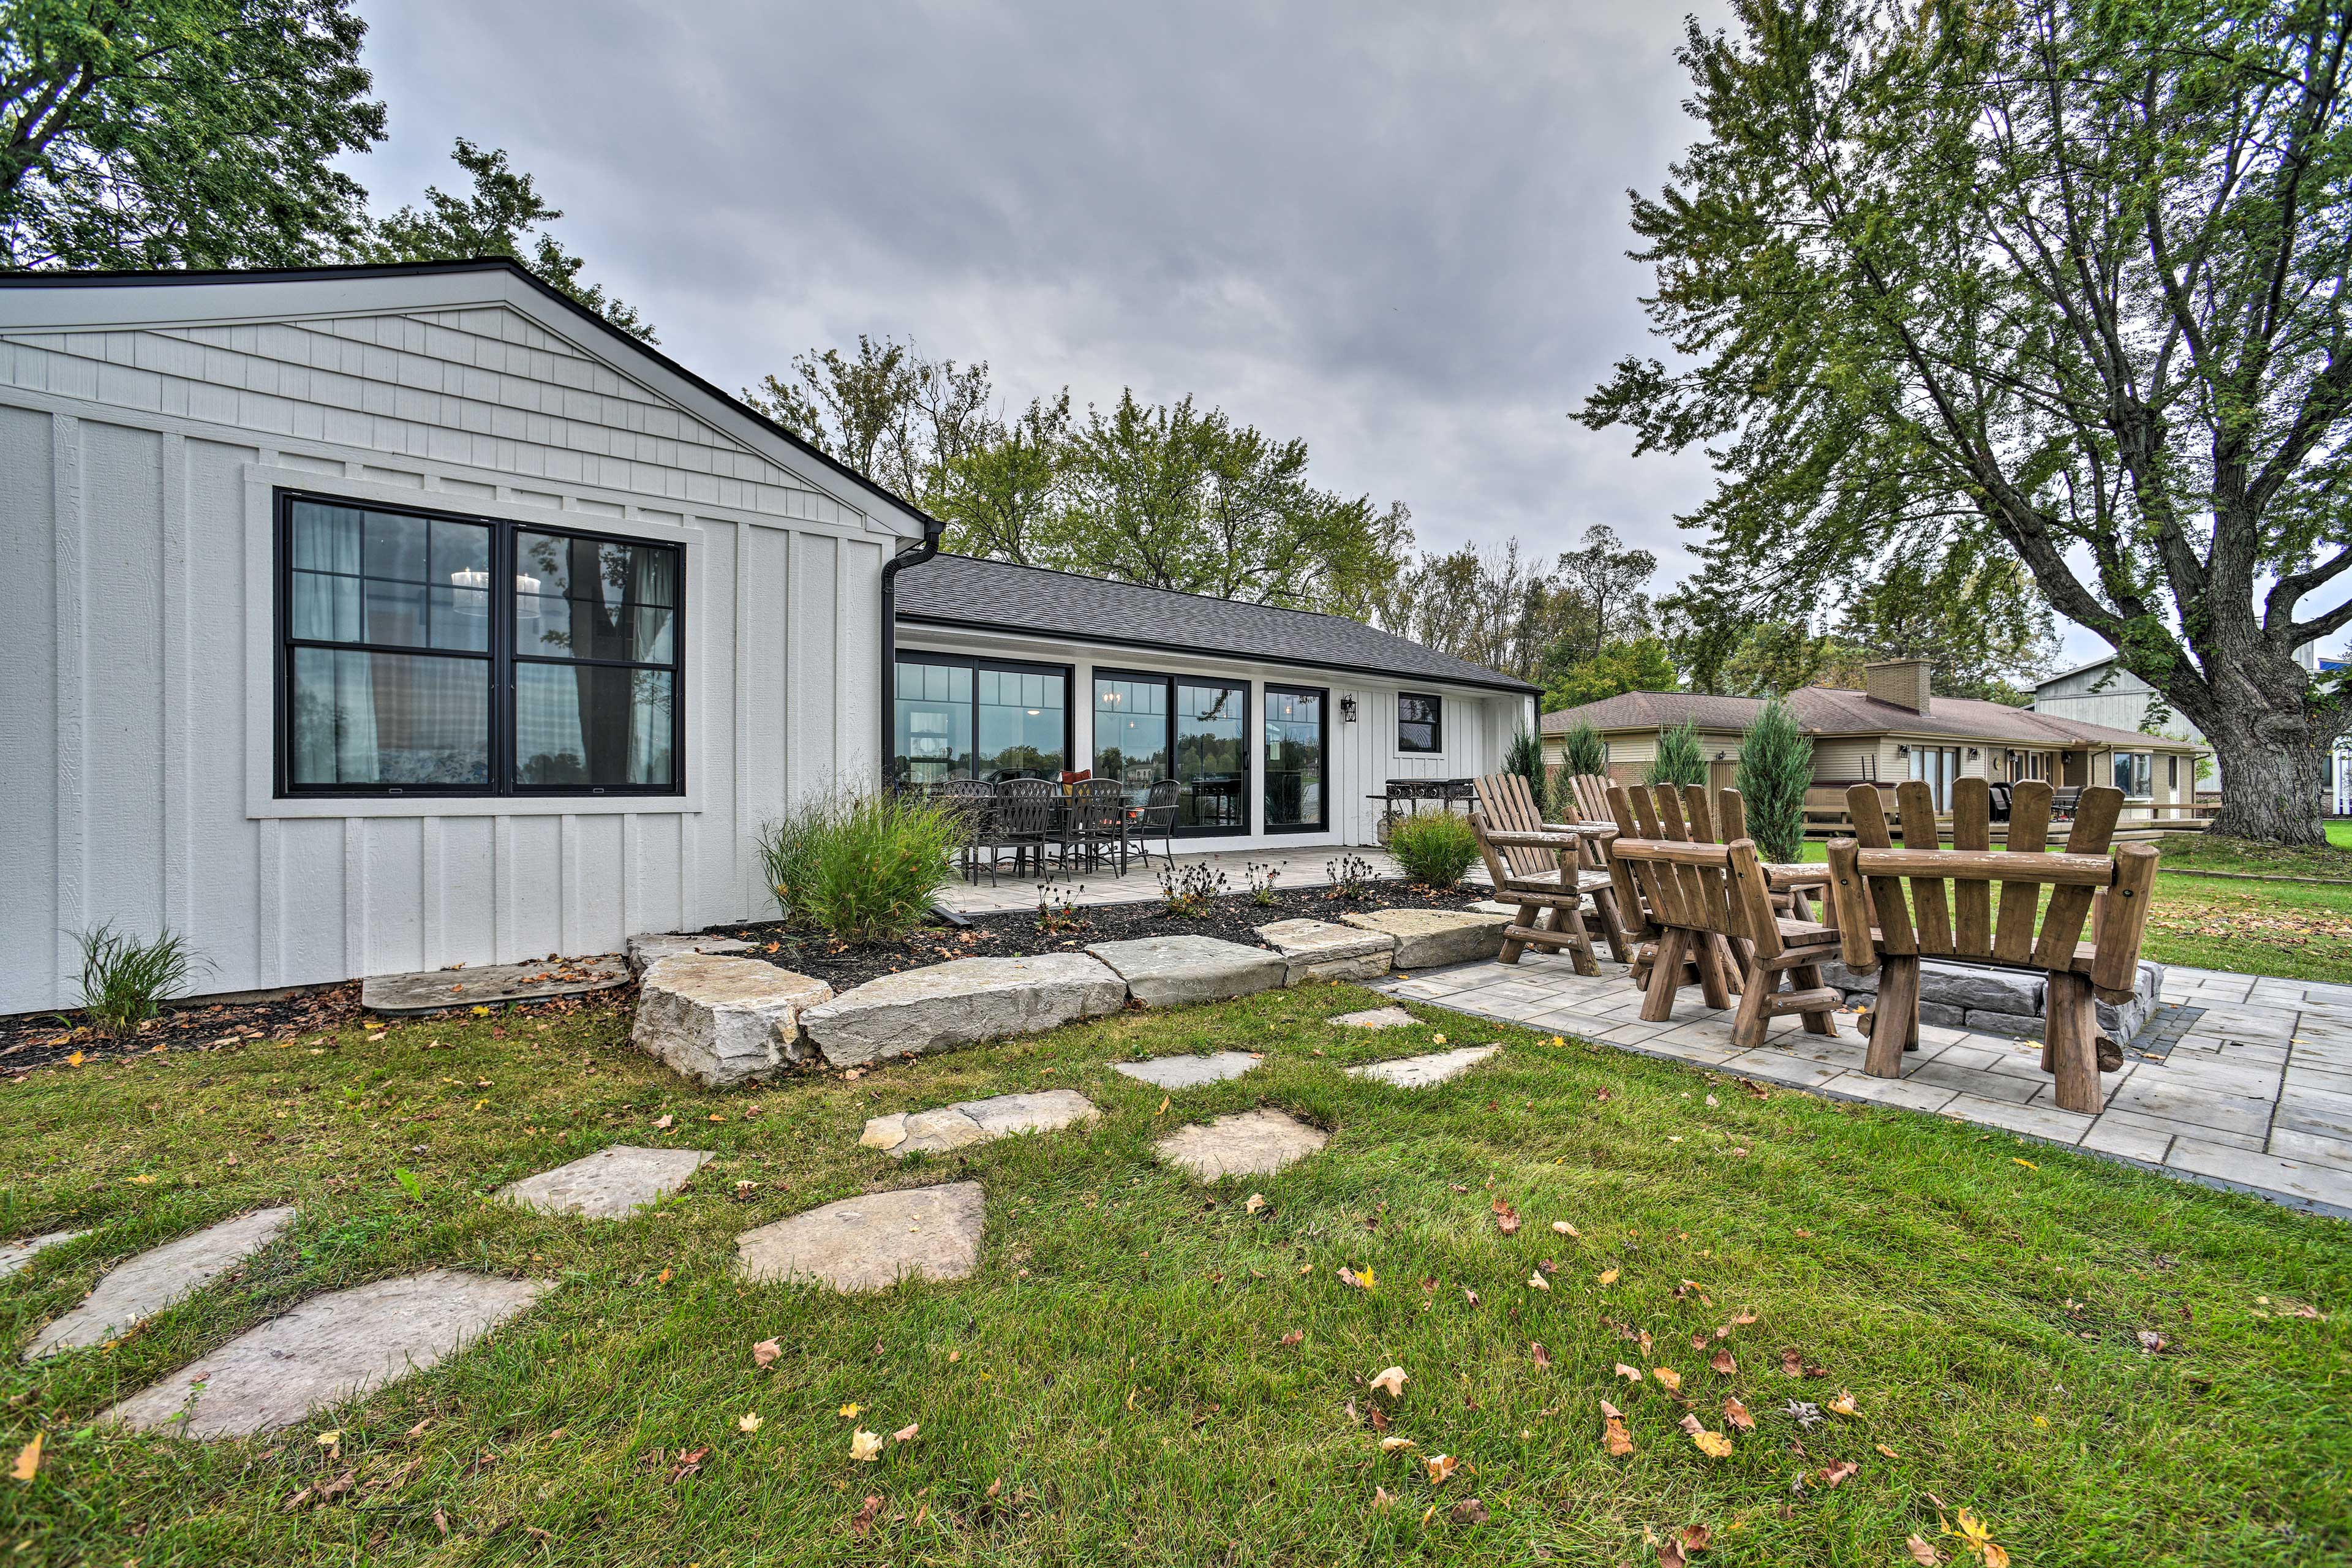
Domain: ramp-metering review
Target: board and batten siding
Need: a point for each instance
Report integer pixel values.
(137, 467)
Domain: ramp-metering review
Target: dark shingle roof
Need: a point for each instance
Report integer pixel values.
(958, 590)
(1834, 711)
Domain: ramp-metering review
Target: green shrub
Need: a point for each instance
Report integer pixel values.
(1583, 751)
(1434, 847)
(125, 981)
(1679, 760)
(862, 866)
(1776, 765)
(1525, 758)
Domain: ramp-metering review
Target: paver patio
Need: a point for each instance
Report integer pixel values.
(2257, 1095)
(1294, 868)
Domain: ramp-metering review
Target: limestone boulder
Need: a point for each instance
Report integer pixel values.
(960, 1003)
(651, 948)
(1320, 950)
(723, 1021)
(1429, 939)
(976, 1122)
(1181, 970)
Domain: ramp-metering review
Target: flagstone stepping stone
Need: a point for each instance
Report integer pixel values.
(976, 1122)
(1420, 1072)
(1376, 1018)
(651, 948)
(18, 1253)
(136, 1291)
(1251, 1143)
(960, 1003)
(1181, 970)
(611, 1183)
(871, 1243)
(721, 1020)
(329, 1347)
(493, 984)
(1319, 949)
(1188, 1072)
(1427, 938)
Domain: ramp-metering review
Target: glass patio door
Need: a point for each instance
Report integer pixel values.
(1295, 745)
(1211, 757)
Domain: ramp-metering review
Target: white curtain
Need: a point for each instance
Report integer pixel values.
(653, 577)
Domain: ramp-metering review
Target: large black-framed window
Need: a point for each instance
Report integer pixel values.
(961, 717)
(425, 652)
(1194, 729)
(1421, 722)
(1298, 759)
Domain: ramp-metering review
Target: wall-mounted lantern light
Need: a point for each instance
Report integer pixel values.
(1348, 709)
(1902, 750)
(1972, 753)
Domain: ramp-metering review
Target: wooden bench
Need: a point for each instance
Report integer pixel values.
(1542, 868)
(1713, 905)
(1951, 914)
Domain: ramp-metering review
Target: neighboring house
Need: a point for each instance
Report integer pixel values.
(1894, 730)
(376, 620)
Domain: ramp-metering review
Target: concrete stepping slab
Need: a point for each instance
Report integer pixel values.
(1420, 1072)
(138, 1289)
(1427, 938)
(1319, 950)
(960, 1003)
(1375, 1019)
(493, 984)
(611, 1183)
(329, 1347)
(1252, 1143)
(976, 1122)
(1188, 1072)
(1181, 970)
(871, 1243)
(723, 1021)
(15, 1254)
(652, 947)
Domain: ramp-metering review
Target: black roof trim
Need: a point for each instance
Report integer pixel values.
(129, 278)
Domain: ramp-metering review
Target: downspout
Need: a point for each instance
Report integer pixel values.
(912, 555)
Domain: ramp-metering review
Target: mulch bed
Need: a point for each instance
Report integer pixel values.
(1233, 917)
(42, 1040)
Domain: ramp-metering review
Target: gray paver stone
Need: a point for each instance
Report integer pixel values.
(1941, 1016)
(872, 1242)
(1180, 970)
(960, 1003)
(1188, 1072)
(1320, 950)
(721, 1020)
(328, 1349)
(1375, 1019)
(976, 1122)
(1427, 938)
(2017, 1024)
(611, 1183)
(136, 1291)
(492, 985)
(16, 1254)
(1420, 1072)
(651, 948)
(1251, 1143)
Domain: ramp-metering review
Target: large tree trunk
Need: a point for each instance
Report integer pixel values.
(2270, 750)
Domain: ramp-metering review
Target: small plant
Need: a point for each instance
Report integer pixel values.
(1680, 759)
(125, 981)
(1350, 876)
(1776, 766)
(863, 867)
(1261, 881)
(410, 1183)
(1057, 908)
(1582, 751)
(1434, 848)
(1189, 891)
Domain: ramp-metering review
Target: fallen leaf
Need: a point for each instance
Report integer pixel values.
(1382, 1498)
(1542, 1356)
(1722, 1363)
(688, 1463)
(1536, 1282)
(849, 1412)
(1608, 1276)
(748, 1422)
(1363, 1281)
(1835, 1474)
(1469, 1510)
(1696, 1537)
(1392, 1381)
(865, 1447)
(1506, 1218)
(1886, 1450)
(1295, 1338)
(1791, 1363)
(765, 1352)
(28, 1460)
(1164, 1106)
(2150, 1341)
(906, 1434)
(1564, 1228)
(1924, 1554)
(867, 1512)
(1472, 1296)
(1629, 1374)
(1670, 1554)
(663, 1277)
(1442, 1468)
(1668, 1376)
(328, 1439)
(1391, 1445)
(1253, 1203)
(1844, 1405)
(2027, 1163)
(1714, 1445)
(1736, 1414)
(664, 1124)
(1612, 1431)
(1802, 1414)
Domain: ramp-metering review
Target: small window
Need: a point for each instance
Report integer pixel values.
(406, 670)
(1420, 725)
(2172, 772)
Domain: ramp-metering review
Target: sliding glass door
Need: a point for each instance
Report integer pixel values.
(1296, 799)
(1131, 731)
(1196, 731)
(977, 717)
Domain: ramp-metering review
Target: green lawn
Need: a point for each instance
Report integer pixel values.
(1114, 1387)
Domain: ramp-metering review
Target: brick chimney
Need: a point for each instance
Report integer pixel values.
(1902, 681)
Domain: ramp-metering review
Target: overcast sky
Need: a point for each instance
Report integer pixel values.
(1398, 231)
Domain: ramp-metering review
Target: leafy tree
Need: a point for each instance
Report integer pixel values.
(2057, 279)
(1776, 767)
(1607, 581)
(999, 497)
(1679, 759)
(504, 215)
(1496, 610)
(1582, 751)
(170, 134)
(1978, 621)
(1642, 665)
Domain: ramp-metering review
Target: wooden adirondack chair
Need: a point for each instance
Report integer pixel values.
(1713, 905)
(1949, 914)
(1542, 868)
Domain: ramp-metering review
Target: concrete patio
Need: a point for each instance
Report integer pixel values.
(2256, 1095)
(1300, 867)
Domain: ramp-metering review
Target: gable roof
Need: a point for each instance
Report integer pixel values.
(996, 595)
(226, 294)
(1832, 711)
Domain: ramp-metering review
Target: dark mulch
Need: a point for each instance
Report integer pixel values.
(1232, 918)
(32, 1040)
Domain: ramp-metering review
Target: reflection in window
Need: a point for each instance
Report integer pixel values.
(1211, 757)
(391, 719)
(2136, 773)
(1131, 732)
(592, 724)
(1293, 759)
(960, 719)
(1022, 723)
(933, 723)
(1420, 722)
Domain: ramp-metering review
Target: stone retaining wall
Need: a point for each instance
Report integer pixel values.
(1997, 1001)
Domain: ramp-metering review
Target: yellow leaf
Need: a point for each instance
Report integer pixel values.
(74, 1060)
(748, 1422)
(1844, 1405)
(1565, 1229)
(2027, 1163)
(1714, 1445)
(1391, 1445)
(1608, 1276)
(1392, 1381)
(482, 1011)
(865, 1447)
(849, 1412)
(28, 1460)
(1536, 1282)
(328, 1439)
(1886, 1450)
(1164, 1106)
(663, 1277)
(1442, 1468)
(1437, 1039)
(1669, 1377)
(1253, 1203)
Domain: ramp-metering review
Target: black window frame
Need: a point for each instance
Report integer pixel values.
(1165, 678)
(501, 656)
(1322, 694)
(1436, 746)
(976, 663)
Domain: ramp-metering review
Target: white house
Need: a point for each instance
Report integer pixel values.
(366, 620)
